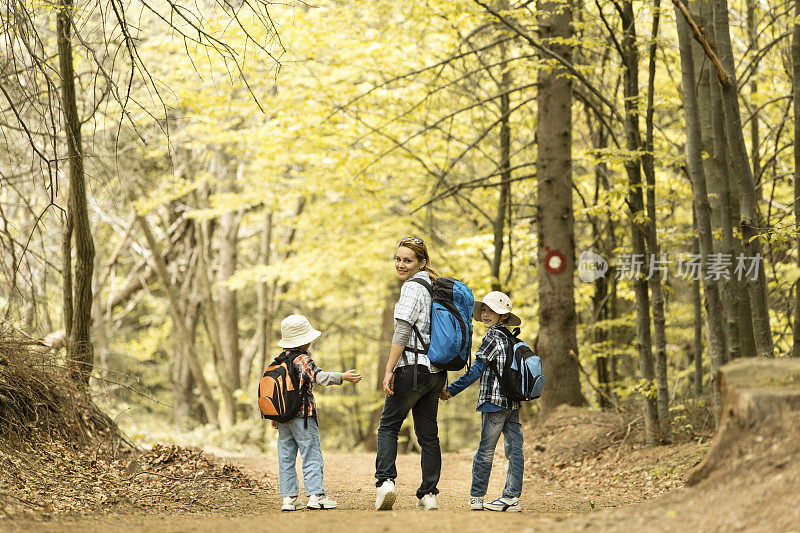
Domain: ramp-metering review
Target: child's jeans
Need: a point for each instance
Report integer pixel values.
(292, 436)
(492, 424)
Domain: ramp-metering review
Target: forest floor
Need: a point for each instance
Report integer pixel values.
(585, 470)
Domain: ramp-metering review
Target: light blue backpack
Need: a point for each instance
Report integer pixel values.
(451, 323)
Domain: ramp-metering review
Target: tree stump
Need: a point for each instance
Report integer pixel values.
(759, 402)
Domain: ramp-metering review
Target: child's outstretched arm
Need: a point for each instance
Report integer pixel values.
(312, 373)
(475, 371)
(352, 376)
(468, 378)
(337, 378)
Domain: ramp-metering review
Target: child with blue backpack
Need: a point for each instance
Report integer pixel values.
(499, 414)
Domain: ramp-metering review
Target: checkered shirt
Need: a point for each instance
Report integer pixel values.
(308, 376)
(493, 351)
(414, 306)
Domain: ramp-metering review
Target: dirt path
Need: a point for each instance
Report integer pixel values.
(348, 479)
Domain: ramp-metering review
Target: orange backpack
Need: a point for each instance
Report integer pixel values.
(280, 397)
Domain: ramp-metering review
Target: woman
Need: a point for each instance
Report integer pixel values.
(404, 393)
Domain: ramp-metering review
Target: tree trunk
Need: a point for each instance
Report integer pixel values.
(697, 344)
(210, 312)
(601, 308)
(639, 232)
(80, 353)
(796, 104)
(556, 242)
(182, 381)
(704, 77)
(505, 173)
(99, 325)
(179, 321)
(66, 270)
(740, 167)
(227, 306)
(752, 36)
(739, 322)
(728, 287)
(260, 346)
(694, 162)
(654, 276)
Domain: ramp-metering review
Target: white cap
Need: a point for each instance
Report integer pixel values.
(296, 331)
(500, 303)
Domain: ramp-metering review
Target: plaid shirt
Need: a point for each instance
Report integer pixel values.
(492, 352)
(414, 306)
(308, 371)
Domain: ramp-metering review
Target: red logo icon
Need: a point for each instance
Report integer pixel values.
(554, 261)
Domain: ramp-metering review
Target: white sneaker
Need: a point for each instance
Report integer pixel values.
(475, 503)
(386, 496)
(292, 503)
(428, 503)
(321, 501)
(509, 505)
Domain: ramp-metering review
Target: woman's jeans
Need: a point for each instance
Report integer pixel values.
(293, 436)
(492, 424)
(423, 402)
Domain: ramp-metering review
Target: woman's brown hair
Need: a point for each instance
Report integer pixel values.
(417, 246)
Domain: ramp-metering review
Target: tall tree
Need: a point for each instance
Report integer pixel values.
(555, 220)
(796, 105)
(182, 325)
(77, 289)
(694, 161)
(639, 232)
(723, 194)
(654, 273)
(740, 166)
(504, 194)
(228, 309)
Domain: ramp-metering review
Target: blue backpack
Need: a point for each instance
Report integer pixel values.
(451, 323)
(521, 379)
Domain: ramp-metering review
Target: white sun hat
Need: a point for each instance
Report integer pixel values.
(498, 302)
(296, 331)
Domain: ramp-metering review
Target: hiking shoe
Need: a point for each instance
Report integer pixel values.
(386, 496)
(427, 503)
(510, 505)
(475, 503)
(321, 501)
(292, 503)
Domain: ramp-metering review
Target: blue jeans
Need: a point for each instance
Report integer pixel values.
(492, 424)
(292, 436)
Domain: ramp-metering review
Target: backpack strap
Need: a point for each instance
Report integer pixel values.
(508, 333)
(417, 351)
(290, 356)
(424, 284)
(304, 394)
(424, 350)
(509, 351)
(493, 367)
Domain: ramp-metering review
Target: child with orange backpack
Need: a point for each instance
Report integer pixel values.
(285, 397)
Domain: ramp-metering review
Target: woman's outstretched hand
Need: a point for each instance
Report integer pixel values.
(352, 376)
(388, 383)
